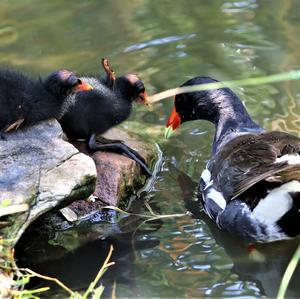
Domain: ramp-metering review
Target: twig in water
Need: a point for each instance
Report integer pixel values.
(105, 265)
(75, 295)
(58, 282)
(151, 217)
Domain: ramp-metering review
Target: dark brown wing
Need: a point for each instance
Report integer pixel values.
(250, 158)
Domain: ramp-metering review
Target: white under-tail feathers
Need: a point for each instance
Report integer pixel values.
(292, 159)
(206, 176)
(279, 201)
(269, 209)
(210, 192)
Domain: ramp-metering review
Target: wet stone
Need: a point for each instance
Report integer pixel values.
(38, 172)
(117, 175)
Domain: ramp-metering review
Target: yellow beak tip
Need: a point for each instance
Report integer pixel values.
(168, 132)
(89, 87)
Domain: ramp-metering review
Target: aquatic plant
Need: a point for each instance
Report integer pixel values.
(14, 279)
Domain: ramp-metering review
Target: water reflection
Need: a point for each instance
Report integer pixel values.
(187, 256)
(158, 42)
(261, 264)
(239, 6)
(166, 43)
(77, 266)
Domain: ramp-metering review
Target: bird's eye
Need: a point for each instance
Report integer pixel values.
(142, 90)
(20, 107)
(139, 86)
(72, 82)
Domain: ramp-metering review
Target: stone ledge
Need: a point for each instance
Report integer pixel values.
(39, 169)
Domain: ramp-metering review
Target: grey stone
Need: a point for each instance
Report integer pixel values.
(39, 171)
(117, 176)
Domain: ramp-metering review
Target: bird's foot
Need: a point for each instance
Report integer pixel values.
(121, 148)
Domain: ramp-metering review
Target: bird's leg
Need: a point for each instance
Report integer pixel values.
(13, 126)
(118, 146)
(10, 127)
(103, 140)
(111, 76)
(99, 140)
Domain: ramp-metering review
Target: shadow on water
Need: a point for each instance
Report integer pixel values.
(77, 267)
(263, 264)
(249, 269)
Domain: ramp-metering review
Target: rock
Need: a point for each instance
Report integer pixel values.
(84, 220)
(39, 171)
(127, 174)
(118, 176)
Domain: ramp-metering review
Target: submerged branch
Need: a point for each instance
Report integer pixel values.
(150, 217)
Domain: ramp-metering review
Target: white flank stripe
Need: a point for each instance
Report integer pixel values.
(291, 159)
(205, 176)
(217, 197)
(271, 208)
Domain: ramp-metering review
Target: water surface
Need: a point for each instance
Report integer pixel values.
(166, 43)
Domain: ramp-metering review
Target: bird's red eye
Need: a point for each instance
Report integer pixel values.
(139, 86)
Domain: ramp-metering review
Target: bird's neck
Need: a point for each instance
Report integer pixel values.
(232, 119)
(122, 106)
(123, 89)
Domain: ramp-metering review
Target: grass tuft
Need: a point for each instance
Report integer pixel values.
(14, 279)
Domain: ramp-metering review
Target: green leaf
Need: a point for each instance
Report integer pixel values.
(5, 203)
(98, 292)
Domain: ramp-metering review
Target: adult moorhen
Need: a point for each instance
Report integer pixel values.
(24, 101)
(250, 186)
(108, 104)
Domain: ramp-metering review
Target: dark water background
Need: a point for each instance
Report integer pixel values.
(166, 43)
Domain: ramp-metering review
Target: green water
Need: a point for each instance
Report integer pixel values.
(167, 42)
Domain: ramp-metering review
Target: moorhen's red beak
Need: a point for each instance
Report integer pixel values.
(173, 123)
(143, 98)
(83, 87)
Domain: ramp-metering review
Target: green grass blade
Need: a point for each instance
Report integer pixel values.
(291, 75)
(98, 292)
(288, 274)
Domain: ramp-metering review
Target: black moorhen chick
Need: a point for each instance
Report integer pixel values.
(251, 184)
(24, 101)
(108, 104)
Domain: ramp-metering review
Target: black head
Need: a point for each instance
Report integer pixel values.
(206, 104)
(61, 83)
(201, 104)
(131, 87)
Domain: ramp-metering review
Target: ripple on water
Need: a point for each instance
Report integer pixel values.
(157, 42)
